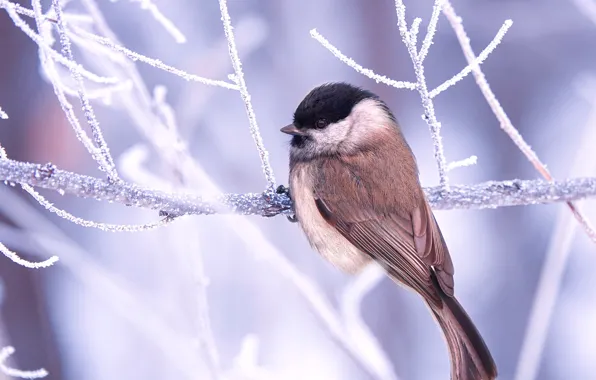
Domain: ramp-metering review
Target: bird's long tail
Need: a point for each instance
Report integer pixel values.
(469, 355)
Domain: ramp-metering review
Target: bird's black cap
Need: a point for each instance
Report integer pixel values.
(330, 102)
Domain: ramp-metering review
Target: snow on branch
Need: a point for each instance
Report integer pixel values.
(410, 38)
(238, 77)
(359, 69)
(5, 354)
(106, 162)
(490, 194)
(158, 64)
(504, 121)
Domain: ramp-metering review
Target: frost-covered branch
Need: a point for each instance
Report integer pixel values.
(106, 162)
(490, 194)
(238, 78)
(359, 69)
(5, 353)
(410, 39)
(504, 121)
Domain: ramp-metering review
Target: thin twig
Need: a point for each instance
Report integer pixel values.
(430, 32)
(427, 103)
(5, 353)
(504, 121)
(152, 61)
(47, 61)
(250, 113)
(109, 167)
(359, 69)
(476, 62)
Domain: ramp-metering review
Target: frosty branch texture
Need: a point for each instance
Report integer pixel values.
(238, 77)
(504, 121)
(410, 39)
(480, 196)
(108, 165)
(5, 354)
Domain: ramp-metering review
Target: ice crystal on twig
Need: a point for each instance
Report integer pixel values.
(5, 354)
(410, 39)
(476, 61)
(362, 70)
(92, 121)
(239, 80)
(501, 115)
(490, 194)
(25, 263)
(472, 160)
(151, 61)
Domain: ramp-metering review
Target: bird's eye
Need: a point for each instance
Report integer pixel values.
(321, 123)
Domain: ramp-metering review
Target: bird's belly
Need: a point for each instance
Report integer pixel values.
(322, 236)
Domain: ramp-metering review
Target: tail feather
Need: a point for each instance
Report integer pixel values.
(470, 357)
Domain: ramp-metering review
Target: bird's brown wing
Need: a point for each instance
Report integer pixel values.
(404, 239)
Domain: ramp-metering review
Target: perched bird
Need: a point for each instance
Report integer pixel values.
(357, 196)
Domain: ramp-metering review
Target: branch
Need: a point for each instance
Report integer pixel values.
(480, 196)
(417, 62)
(107, 162)
(8, 351)
(238, 78)
(501, 115)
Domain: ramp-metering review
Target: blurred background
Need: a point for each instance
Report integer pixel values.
(212, 296)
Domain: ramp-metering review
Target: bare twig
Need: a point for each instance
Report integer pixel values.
(504, 121)
(410, 38)
(476, 62)
(427, 103)
(472, 160)
(430, 32)
(152, 61)
(359, 69)
(5, 353)
(238, 77)
(100, 143)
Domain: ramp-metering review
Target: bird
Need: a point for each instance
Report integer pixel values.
(355, 188)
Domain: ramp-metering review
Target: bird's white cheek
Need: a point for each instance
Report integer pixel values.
(322, 237)
(331, 136)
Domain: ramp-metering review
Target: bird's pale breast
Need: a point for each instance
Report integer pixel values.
(322, 236)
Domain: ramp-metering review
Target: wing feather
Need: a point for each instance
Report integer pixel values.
(403, 238)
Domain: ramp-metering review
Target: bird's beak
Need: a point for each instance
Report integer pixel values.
(292, 130)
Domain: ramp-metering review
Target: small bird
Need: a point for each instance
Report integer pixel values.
(357, 196)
